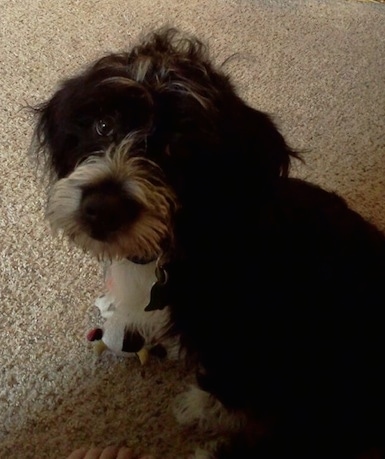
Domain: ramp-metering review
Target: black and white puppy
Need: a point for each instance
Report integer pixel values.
(274, 287)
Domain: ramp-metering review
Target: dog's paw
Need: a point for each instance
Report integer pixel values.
(199, 408)
(172, 347)
(187, 407)
(105, 304)
(202, 454)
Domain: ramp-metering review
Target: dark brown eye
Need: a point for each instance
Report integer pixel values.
(105, 126)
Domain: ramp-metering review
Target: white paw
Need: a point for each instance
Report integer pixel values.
(202, 454)
(193, 407)
(105, 304)
(198, 407)
(172, 347)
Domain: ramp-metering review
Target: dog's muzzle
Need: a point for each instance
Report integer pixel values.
(105, 209)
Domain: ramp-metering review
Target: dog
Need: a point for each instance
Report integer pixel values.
(272, 286)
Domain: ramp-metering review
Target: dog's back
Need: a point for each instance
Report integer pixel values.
(287, 320)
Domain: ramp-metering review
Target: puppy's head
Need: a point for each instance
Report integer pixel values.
(139, 136)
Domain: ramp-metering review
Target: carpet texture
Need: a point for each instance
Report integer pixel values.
(317, 66)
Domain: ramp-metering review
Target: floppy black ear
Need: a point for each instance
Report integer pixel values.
(56, 132)
(263, 145)
(51, 114)
(39, 146)
(49, 133)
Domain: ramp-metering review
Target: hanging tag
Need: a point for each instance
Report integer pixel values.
(159, 292)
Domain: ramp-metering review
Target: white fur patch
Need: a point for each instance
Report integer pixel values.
(198, 407)
(202, 454)
(129, 290)
(106, 305)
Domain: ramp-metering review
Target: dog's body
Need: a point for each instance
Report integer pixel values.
(274, 286)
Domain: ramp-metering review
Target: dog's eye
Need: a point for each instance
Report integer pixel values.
(105, 126)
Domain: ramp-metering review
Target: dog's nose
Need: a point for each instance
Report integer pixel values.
(106, 209)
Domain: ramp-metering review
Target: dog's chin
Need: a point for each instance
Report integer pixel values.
(108, 240)
(132, 245)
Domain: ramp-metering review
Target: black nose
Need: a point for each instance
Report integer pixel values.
(106, 208)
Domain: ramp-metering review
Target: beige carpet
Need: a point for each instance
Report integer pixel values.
(318, 66)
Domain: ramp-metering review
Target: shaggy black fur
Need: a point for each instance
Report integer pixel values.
(275, 286)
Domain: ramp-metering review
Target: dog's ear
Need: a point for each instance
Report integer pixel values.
(46, 120)
(224, 133)
(51, 136)
(43, 136)
(262, 145)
